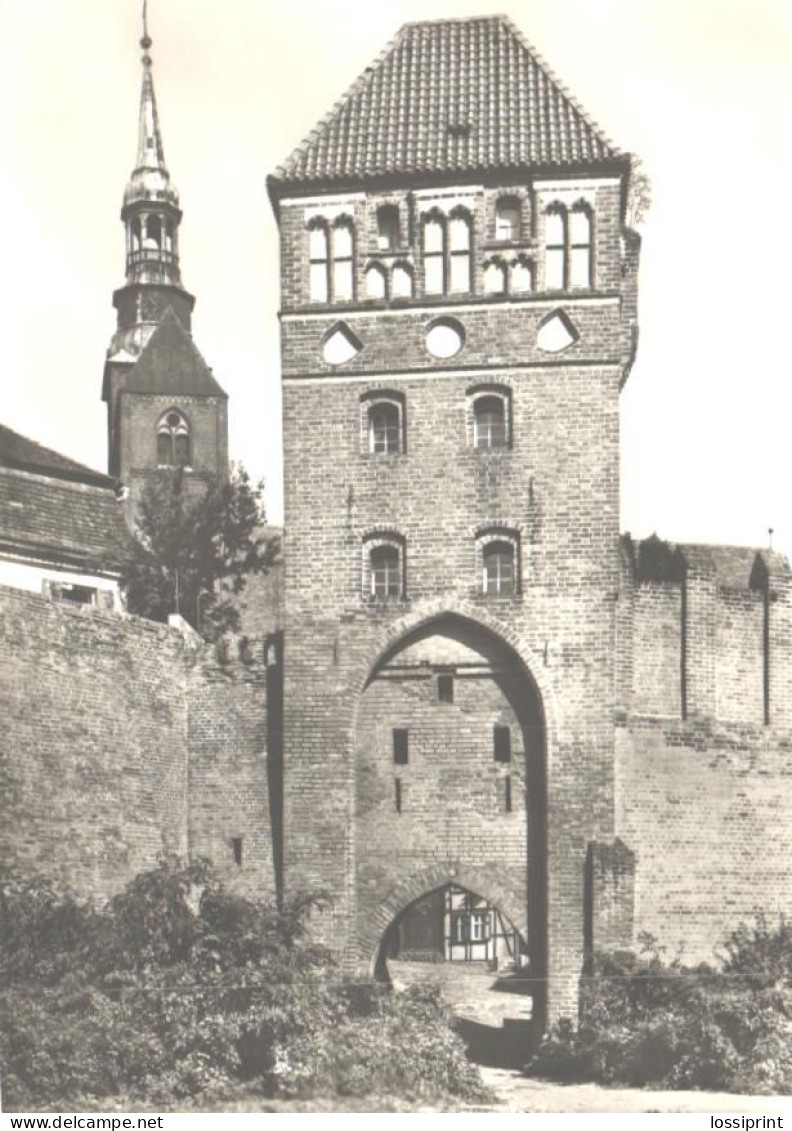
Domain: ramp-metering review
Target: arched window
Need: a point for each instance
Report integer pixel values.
(135, 229)
(556, 248)
(568, 246)
(434, 251)
(401, 281)
(384, 427)
(489, 417)
(507, 219)
(383, 567)
(499, 568)
(387, 227)
(522, 276)
(489, 423)
(319, 262)
(376, 281)
(153, 239)
(173, 440)
(495, 277)
(343, 250)
(382, 422)
(460, 244)
(331, 258)
(385, 572)
(580, 247)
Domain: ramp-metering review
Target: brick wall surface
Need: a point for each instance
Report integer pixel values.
(121, 741)
(705, 809)
(94, 740)
(228, 771)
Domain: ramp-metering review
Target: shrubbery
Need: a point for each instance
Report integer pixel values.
(645, 1021)
(179, 989)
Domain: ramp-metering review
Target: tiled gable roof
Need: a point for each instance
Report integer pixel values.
(450, 96)
(61, 520)
(19, 452)
(171, 363)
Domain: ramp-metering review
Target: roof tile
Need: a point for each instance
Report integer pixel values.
(449, 96)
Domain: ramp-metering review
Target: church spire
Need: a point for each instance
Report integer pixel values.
(151, 203)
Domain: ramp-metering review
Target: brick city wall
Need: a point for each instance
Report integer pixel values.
(95, 734)
(228, 769)
(703, 800)
(124, 740)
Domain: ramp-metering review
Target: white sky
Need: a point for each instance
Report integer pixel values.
(700, 89)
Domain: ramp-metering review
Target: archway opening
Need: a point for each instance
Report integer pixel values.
(466, 944)
(451, 811)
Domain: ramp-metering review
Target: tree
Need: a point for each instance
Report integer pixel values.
(192, 553)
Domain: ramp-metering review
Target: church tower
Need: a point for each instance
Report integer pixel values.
(165, 409)
(458, 316)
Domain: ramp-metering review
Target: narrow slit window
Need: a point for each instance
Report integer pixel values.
(445, 688)
(343, 285)
(460, 245)
(398, 794)
(401, 749)
(501, 743)
(507, 793)
(236, 848)
(434, 248)
(319, 264)
(556, 250)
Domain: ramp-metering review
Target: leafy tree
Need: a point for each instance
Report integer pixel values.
(193, 550)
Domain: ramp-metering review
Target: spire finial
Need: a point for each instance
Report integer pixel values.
(145, 42)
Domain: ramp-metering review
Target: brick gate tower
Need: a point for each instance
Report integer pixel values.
(165, 409)
(458, 318)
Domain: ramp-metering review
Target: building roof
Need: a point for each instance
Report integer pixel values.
(55, 509)
(18, 451)
(450, 96)
(172, 364)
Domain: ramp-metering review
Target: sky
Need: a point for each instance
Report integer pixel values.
(699, 89)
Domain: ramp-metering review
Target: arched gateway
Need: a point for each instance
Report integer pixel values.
(449, 749)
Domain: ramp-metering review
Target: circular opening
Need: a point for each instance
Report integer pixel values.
(445, 338)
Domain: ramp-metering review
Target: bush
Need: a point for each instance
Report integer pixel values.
(645, 1021)
(178, 989)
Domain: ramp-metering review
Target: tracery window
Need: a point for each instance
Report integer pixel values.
(173, 440)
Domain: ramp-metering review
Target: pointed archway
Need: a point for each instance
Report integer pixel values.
(449, 740)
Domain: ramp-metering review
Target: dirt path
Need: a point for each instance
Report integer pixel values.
(495, 1022)
(519, 1093)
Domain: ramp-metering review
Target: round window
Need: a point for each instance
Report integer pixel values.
(444, 338)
